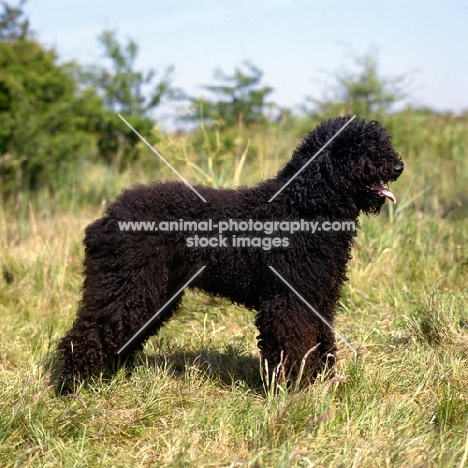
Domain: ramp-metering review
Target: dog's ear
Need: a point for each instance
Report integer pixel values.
(310, 187)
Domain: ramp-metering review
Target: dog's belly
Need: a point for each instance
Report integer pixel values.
(232, 277)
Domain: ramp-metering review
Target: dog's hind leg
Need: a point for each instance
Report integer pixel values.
(95, 341)
(119, 298)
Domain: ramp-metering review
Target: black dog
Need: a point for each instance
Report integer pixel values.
(130, 275)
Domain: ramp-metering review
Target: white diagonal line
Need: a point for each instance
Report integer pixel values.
(312, 158)
(154, 150)
(161, 309)
(313, 310)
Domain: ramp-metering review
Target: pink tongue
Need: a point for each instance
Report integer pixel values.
(384, 192)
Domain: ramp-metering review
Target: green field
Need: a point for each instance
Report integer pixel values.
(195, 397)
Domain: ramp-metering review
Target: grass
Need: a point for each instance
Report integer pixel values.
(195, 397)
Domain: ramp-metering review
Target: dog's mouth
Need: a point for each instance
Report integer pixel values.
(382, 191)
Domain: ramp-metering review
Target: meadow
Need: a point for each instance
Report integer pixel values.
(195, 396)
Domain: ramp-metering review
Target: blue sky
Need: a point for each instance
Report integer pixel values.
(297, 43)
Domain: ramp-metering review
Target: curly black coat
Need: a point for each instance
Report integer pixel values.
(131, 275)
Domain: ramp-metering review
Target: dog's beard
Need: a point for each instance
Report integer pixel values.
(370, 201)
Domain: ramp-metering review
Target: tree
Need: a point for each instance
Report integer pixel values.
(122, 86)
(12, 26)
(43, 119)
(124, 90)
(363, 92)
(239, 98)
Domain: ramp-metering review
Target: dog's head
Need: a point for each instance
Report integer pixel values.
(351, 164)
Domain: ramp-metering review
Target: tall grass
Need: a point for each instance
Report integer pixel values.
(195, 397)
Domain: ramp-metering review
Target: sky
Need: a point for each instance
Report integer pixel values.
(298, 44)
